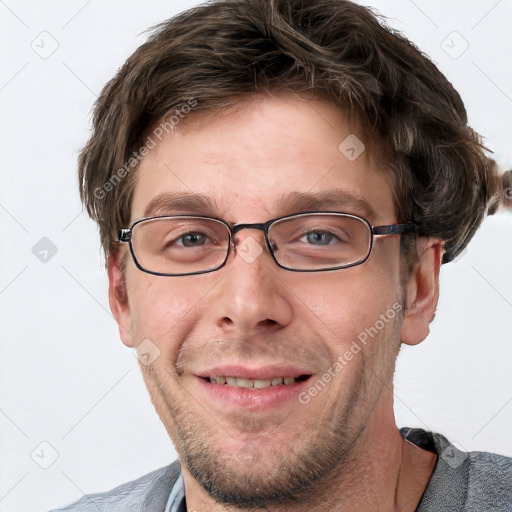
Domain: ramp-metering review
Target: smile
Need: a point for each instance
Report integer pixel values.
(255, 383)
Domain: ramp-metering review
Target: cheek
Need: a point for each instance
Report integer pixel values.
(162, 309)
(350, 301)
(356, 314)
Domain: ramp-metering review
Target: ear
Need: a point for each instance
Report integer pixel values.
(422, 292)
(118, 296)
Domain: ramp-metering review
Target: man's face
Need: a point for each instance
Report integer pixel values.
(254, 320)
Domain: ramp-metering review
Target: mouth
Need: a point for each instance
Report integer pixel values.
(261, 388)
(246, 383)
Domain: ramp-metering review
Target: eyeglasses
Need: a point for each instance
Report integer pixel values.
(183, 245)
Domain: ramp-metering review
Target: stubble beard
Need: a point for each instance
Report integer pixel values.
(260, 475)
(256, 477)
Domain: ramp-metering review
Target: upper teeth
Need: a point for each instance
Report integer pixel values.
(253, 383)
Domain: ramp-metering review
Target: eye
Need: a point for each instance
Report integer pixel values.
(319, 237)
(193, 239)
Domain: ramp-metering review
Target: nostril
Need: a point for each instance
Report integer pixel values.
(268, 322)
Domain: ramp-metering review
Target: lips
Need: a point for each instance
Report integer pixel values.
(260, 372)
(253, 387)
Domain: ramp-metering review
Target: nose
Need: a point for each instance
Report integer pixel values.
(251, 296)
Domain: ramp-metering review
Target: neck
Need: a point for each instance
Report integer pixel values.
(383, 472)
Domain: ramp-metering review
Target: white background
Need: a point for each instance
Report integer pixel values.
(67, 380)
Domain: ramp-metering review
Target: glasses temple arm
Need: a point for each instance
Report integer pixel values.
(396, 229)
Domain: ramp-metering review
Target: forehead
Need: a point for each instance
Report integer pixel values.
(264, 158)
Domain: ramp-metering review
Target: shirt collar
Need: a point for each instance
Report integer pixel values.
(176, 501)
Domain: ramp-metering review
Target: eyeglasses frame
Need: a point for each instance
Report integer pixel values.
(125, 235)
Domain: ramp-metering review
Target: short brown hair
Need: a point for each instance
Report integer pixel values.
(219, 53)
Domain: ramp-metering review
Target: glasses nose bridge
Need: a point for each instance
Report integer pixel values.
(238, 227)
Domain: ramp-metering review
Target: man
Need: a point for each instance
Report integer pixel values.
(277, 184)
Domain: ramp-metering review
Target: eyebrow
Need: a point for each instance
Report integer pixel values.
(293, 202)
(181, 201)
(336, 199)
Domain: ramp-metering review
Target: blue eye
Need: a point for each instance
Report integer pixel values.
(319, 237)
